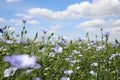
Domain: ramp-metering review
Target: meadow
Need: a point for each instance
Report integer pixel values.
(49, 58)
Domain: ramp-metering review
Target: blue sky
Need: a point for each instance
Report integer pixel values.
(71, 18)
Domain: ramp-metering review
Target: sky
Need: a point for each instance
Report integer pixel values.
(69, 18)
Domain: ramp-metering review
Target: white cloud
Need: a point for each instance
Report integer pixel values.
(2, 20)
(115, 22)
(81, 8)
(41, 12)
(16, 21)
(92, 23)
(55, 28)
(97, 23)
(47, 13)
(19, 22)
(24, 16)
(33, 22)
(96, 9)
(10, 1)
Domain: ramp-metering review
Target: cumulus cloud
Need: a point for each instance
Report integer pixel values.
(97, 23)
(16, 21)
(24, 16)
(10, 1)
(46, 13)
(33, 22)
(19, 22)
(2, 20)
(40, 12)
(114, 22)
(114, 29)
(96, 9)
(92, 23)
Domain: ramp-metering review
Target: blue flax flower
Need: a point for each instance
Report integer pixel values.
(28, 71)
(68, 72)
(21, 61)
(36, 78)
(93, 73)
(65, 78)
(58, 49)
(36, 66)
(106, 34)
(10, 72)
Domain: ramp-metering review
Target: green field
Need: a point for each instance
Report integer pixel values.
(50, 58)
